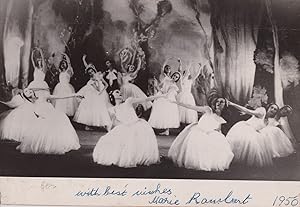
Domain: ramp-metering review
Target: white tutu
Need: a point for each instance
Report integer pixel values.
(164, 113)
(131, 90)
(201, 147)
(129, 144)
(16, 123)
(279, 144)
(64, 88)
(185, 96)
(52, 133)
(248, 145)
(187, 115)
(93, 109)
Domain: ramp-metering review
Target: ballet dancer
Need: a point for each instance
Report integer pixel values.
(132, 141)
(63, 88)
(246, 141)
(93, 109)
(202, 146)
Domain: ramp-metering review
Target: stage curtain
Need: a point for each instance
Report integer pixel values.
(235, 28)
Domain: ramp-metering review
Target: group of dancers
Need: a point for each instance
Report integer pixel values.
(40, 122)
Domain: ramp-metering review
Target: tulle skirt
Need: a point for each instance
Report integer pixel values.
(248, 145)
(93, 111)
(187, 115)
(128, 145)
(68, 105)
(16, 123)
(164, 114)
(52, 134)
(279, 144)
(197, 149)
(131, 90)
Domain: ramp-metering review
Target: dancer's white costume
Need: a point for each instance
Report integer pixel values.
(248, 143)
(132, 142)
(202, 146)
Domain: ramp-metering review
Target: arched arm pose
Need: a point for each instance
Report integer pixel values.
(245, 110)
(42, 66)
(201, 109)
(142, 100)
(70, 68)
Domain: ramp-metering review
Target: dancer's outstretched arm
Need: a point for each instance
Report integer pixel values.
(150, 98)
(245, 110)
(64, 97)
(202, 109)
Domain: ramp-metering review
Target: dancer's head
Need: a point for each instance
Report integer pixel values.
(176, 76)
(39, 62)
(272, 110)
(63, 65)
(91, 70)
(117, 95)
(218, 104)
(286, 110)
(167, 69)
(29, 94)
(108, 64)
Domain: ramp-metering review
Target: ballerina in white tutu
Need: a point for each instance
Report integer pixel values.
(39, 74)
(93, 109)
(50, 132)
(185, 95)
(278, 142)
(202, 146)
(129, 89)
(247, 142)
(15, 122)
(132, 141)
(165, 114)
(63, 88)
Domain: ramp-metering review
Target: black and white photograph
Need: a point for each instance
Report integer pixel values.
(150, 89)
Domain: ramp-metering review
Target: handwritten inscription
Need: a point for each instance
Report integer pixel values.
(197, 198)
(162, 195)
(286, 201)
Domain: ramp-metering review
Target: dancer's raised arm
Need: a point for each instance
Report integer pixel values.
(84, 60)
(198, 72)
(179, 65)
(245, 110)
(32, 60)
(201, 109)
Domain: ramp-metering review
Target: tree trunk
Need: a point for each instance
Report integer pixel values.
(235, 26)
(278, 89)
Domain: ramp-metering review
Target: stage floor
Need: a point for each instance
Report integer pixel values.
(80, 164)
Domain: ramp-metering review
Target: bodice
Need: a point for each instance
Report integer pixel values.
(186, 85)
(210, 121)
(255, 122)
(273, 122)
(64, 77)
(38, 75)
(126, 78)
(125, 112)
